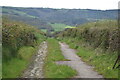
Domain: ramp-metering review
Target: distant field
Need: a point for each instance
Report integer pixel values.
(59, 26)
(44, 30)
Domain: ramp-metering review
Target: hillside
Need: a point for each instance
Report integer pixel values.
(65, 16)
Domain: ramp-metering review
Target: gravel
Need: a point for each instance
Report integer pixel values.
(84, 70)
(35, 69)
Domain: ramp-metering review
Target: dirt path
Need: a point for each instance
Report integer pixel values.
(35, 69)
(84, 70)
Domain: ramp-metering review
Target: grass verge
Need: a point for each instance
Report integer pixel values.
(14, 67)
(102, 61)
(53, 70)
(17, 64)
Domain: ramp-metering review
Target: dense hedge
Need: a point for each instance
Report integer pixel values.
(16, 35)
(102, 34)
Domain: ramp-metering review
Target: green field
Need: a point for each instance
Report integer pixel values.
(59, 26)
(44, 30)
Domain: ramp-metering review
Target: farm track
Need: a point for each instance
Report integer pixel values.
(35, 69)
(84, 70)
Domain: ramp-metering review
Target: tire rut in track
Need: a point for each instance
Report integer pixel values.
(84, 70)
(35, 69)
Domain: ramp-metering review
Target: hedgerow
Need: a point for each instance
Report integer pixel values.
(16, 35)
(103, 34)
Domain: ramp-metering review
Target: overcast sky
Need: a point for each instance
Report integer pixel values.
(82, 4)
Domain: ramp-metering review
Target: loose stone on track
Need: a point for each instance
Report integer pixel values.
(35, 69)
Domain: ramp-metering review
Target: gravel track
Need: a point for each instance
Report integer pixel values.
(84, 70)
(35, 69)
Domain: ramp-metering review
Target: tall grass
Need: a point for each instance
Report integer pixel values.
(103, 62)
(100, 60)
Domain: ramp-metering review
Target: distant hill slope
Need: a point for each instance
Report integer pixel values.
(40, 16)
